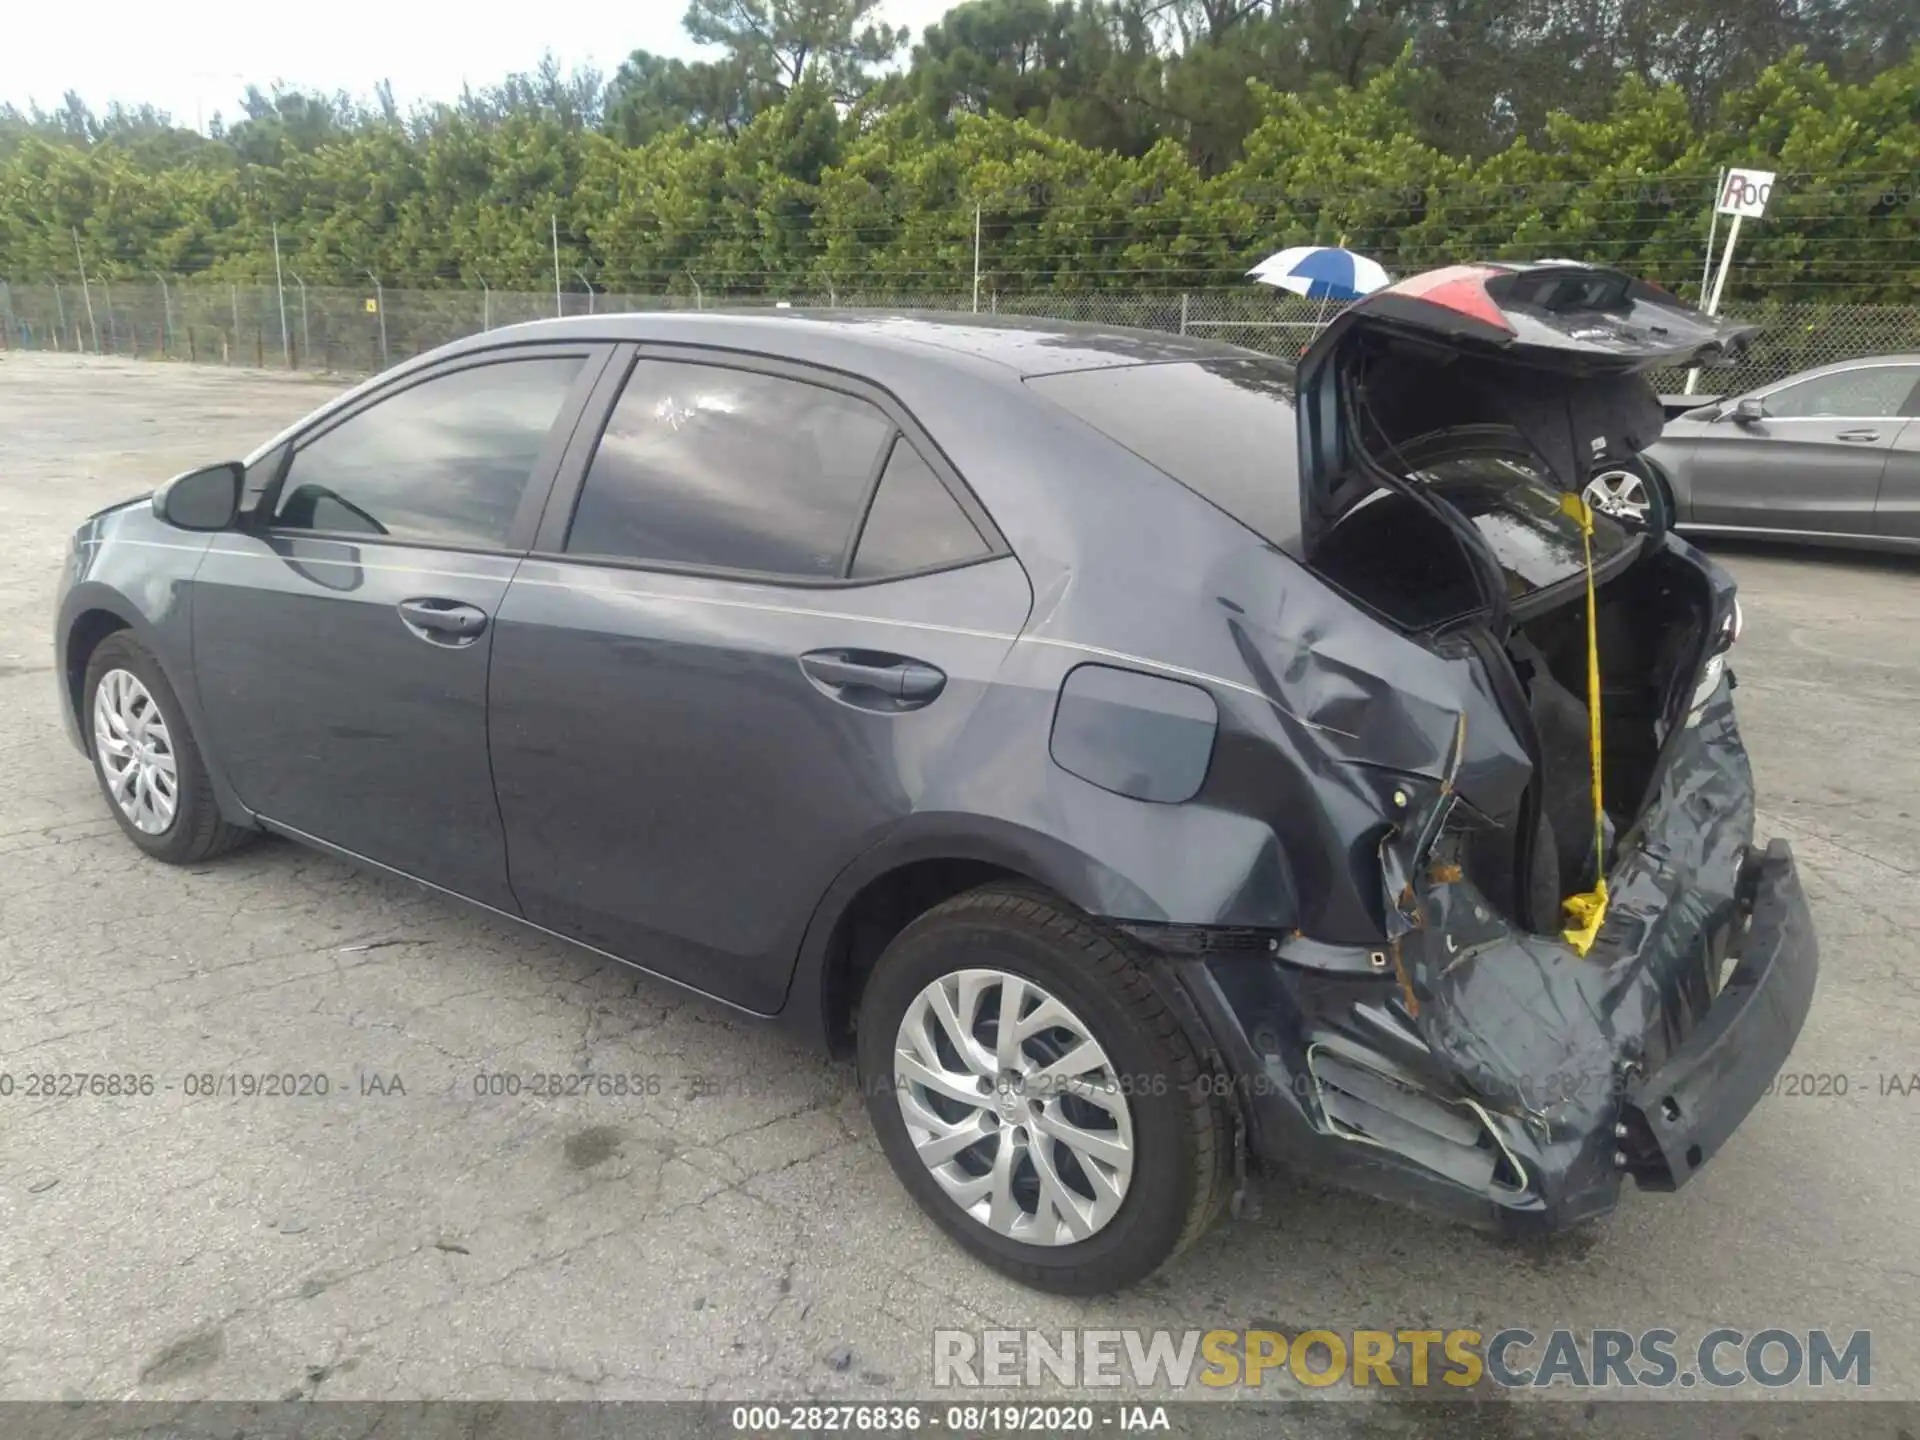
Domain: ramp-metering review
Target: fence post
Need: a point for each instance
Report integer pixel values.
(86, 291)
(306, 336)
(280, 289)
(976, 259)
(166, 325)
(1183, 312)
(380, 308)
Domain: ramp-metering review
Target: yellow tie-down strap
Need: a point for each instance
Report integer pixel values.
(1585, 912)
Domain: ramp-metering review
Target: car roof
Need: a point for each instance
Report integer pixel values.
(1014, 347)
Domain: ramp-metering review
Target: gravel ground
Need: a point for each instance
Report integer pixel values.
(738, 1235)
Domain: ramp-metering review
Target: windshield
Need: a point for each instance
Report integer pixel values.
(1224, 428)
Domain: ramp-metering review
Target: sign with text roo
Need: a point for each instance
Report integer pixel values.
(1745, 192)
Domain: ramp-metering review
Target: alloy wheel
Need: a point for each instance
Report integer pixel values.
(1621, 494)
(135, 752)
(1014, 1107)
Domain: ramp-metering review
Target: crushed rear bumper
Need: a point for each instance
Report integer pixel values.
(1494, 1075)
(1682, 1113)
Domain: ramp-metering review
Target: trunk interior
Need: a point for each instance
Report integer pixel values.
(1652, 624)
(1462, 537)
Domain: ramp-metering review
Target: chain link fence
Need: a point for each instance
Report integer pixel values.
(361, 331)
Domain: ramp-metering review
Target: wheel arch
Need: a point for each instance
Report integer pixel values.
(927, 860)
(1660, 475)
(89, 614)
(79, 639)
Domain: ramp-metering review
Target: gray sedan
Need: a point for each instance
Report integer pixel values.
(1829, 455)
(1145, 759)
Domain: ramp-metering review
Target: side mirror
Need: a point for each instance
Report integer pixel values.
(206, 499)
(1747, 412)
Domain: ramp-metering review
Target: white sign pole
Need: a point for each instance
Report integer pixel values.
(1742, 193)
(1713, 233)
(1726, 260)
(1719, 283)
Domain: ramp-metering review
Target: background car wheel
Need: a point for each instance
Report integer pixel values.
(146, 760)
(1630, 492)
(1036, 1097)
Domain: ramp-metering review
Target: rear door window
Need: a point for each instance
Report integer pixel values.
(711, 467)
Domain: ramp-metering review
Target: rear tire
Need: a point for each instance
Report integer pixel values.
(1633, 493)
(146, 759)
(1115, 1167)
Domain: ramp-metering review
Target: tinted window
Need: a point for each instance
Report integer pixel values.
(1518, 511)
(915, 523)
(1872, 390)
(1392, 554)
(444, 461)
(1223, 428)
(708, 466)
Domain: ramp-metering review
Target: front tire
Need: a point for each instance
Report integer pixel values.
(146, 760)
(1076, 1154)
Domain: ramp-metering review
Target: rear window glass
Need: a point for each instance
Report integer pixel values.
(1224, 428)
(1520, 516)
(1396, 557)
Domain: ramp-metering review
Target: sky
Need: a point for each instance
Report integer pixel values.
(196, 59)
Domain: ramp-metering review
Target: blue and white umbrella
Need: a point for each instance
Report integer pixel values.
(1321, 272)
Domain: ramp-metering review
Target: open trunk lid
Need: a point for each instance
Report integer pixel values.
(1557, 350)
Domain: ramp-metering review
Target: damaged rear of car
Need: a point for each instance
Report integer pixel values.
(1575, 965)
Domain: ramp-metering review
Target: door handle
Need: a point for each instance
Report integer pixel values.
(443, 622)
(892, 677)
(1859, 437)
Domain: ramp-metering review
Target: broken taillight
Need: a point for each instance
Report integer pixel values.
(1459, 288)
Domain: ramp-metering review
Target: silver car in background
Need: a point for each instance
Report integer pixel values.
(1829, 455)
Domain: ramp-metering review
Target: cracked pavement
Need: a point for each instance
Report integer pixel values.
(737, 1234)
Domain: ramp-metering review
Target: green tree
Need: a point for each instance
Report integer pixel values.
(778, 43)
(653, 94)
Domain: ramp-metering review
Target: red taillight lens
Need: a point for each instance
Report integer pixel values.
(1459, 288)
